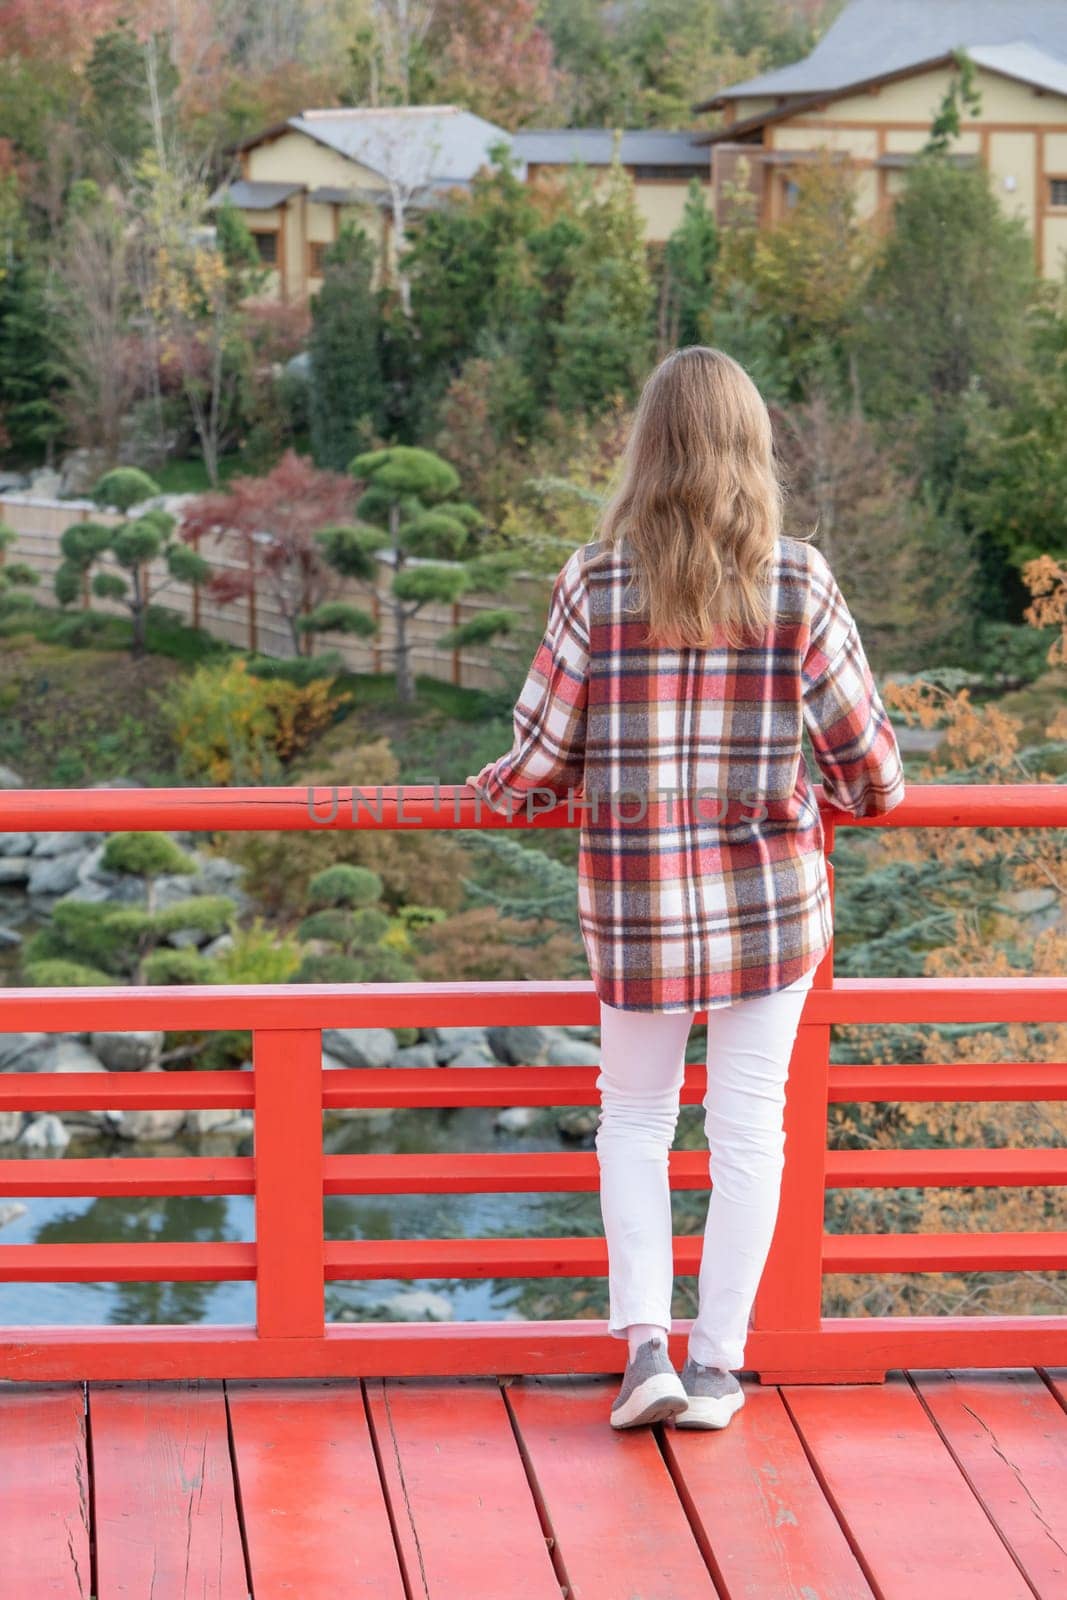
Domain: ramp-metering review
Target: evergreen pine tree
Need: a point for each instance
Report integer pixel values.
(30, 370)
(688, 263)
(347, 392)
(432, 545)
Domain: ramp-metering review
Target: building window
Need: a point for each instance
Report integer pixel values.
(267, 245)
(317, 249)
(653, 171)
(790, 192)
(1057, 192)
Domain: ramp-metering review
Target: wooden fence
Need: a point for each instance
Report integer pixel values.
(257, 623)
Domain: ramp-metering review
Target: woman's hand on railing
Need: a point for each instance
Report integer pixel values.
(477, 782)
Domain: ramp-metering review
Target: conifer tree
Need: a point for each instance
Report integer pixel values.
(13, 574)
(347, 393)
(132, 546)
(688, 263)
(432, 545)
(30, 370)
(91, 943)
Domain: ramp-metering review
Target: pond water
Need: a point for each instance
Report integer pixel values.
(230, 1218)
(49, 1220)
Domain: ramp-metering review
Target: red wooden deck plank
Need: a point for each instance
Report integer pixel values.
(758, 1510)
(44, 1492)
(619, 1526)
(465, 1520)
(1009, 1435)
(163, 1495)
(314, 1514)
(918, 1529)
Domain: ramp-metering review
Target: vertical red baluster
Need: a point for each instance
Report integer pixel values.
(288, 1163)
(790, 1292)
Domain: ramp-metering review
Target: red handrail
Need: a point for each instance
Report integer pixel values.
(288, 1175)
(395, 807)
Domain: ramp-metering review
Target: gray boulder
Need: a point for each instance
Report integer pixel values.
(146, 1126)
(217, 875)
(572, 1053)
(463, 1047)
(46, 483)
(63, 844)
(24, 1052)
(516, 1119)
(360, 1047)
(10, 1126)
(44, 1133)
(15, 869)
(234, 1123)
(92, 894)
(92, 867)
(172, 887)
(10, 938)
(581, 1123)
(15, 844)
(149, 1126)
(69, 1055)
(519, 1046)
(127, 1052)
(97, 884)
(415, 1055)
(10, 779)
(54, 874)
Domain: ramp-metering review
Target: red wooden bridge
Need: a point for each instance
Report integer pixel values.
(902, 1458)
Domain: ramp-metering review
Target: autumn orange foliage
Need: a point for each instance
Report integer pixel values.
(984, 742)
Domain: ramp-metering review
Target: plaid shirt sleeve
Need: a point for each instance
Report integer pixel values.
(548, 751)
(851, 735)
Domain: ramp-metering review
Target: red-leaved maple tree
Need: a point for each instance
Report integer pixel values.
(272, 521)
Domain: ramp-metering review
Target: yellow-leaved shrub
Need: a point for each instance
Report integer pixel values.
(232, 727)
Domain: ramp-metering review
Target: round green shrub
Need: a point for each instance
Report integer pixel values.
(146, 855)
(58, 973)
(344, 885)
(178, 966)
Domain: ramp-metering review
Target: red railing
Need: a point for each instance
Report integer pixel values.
(289, 1174)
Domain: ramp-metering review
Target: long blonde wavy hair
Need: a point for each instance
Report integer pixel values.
(698, 502)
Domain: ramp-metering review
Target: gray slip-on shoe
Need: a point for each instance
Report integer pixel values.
(712, 1396)
(651, 1389)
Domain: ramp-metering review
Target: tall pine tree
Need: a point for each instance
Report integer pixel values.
(347, 391)
(688, 263)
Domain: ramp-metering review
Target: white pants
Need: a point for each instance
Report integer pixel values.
(642, 1070)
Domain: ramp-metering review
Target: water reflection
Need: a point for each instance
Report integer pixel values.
(173, 1219)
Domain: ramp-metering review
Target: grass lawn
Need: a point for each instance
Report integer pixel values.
(71, 718)
(76, 707)
(190, 476)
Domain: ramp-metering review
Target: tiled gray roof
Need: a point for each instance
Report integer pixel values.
(1024, 62)
(652, 147)
(428, 193)
(253, 196)
(412, 143)
(871, 37)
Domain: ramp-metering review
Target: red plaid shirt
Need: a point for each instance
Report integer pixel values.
(702, 878)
